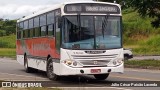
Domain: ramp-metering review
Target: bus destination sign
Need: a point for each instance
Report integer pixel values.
(92, 8)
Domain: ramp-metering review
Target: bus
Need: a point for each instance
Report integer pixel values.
(72, 38)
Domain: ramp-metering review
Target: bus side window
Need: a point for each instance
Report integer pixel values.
(31, 30)
(43, 31)
(43, 22)
(50, 23)
(51, 30)
(36, 27)
(37, 32)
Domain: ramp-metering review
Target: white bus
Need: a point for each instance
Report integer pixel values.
(74, 38)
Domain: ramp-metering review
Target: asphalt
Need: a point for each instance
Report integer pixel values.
(11, 70)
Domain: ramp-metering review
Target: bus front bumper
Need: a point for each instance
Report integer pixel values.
(66, 70)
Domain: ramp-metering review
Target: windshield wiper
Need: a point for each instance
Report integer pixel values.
(104, 24)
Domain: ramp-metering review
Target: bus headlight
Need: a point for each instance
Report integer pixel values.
(71, 63)
(74, 63)
(68, 62)
(114, 62)
(117, 61)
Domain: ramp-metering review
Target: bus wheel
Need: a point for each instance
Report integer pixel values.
(27, 69)
(101, 76)
(50, 70)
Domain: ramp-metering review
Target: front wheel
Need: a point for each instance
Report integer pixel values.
(101, 76)
(50, 70)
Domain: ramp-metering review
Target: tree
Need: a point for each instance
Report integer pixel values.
(7, 27)
(149, 8)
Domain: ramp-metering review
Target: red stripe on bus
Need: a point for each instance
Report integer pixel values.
(42, 47)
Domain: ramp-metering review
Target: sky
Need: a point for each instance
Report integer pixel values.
(14, 9)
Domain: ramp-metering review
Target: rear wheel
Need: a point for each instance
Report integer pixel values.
(50, 70)
(101, 76)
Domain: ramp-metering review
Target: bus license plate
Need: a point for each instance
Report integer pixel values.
(95, 70)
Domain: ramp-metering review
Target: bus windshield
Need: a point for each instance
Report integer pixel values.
(91, 32)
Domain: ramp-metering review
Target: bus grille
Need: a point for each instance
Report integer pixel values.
(94, 60)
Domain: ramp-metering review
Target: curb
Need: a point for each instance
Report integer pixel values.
(142, 67)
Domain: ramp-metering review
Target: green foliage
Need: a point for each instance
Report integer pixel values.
(153, 41)
(8, 52)
(139, 34)
(135, 27)
(149, 8)
(7, 46)
(2, 33)
(7, 27)
(8, 41)
(149, 46)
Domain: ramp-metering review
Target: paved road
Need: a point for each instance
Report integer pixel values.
(12, 70)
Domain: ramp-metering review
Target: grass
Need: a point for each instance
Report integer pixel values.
(149, 46)
(8, 46)
(147, 64)
(8, 52)
(8, 41)
(139, 35)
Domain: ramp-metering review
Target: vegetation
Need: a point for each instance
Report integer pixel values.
(139, 34)
(149, 8)
(7, 27)
(7, 46)
(7, 38)
(8, 52)
(8, 41)
(145, 64)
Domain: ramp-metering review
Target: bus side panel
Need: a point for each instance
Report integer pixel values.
(20, 52)
(37, 50)
(41, 47)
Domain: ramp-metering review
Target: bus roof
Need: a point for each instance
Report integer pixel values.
(56, 6)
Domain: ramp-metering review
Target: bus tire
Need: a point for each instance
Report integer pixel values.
(101, 76)
(50, 70)
(27, 69)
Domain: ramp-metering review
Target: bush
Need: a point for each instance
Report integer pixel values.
(8, 41)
